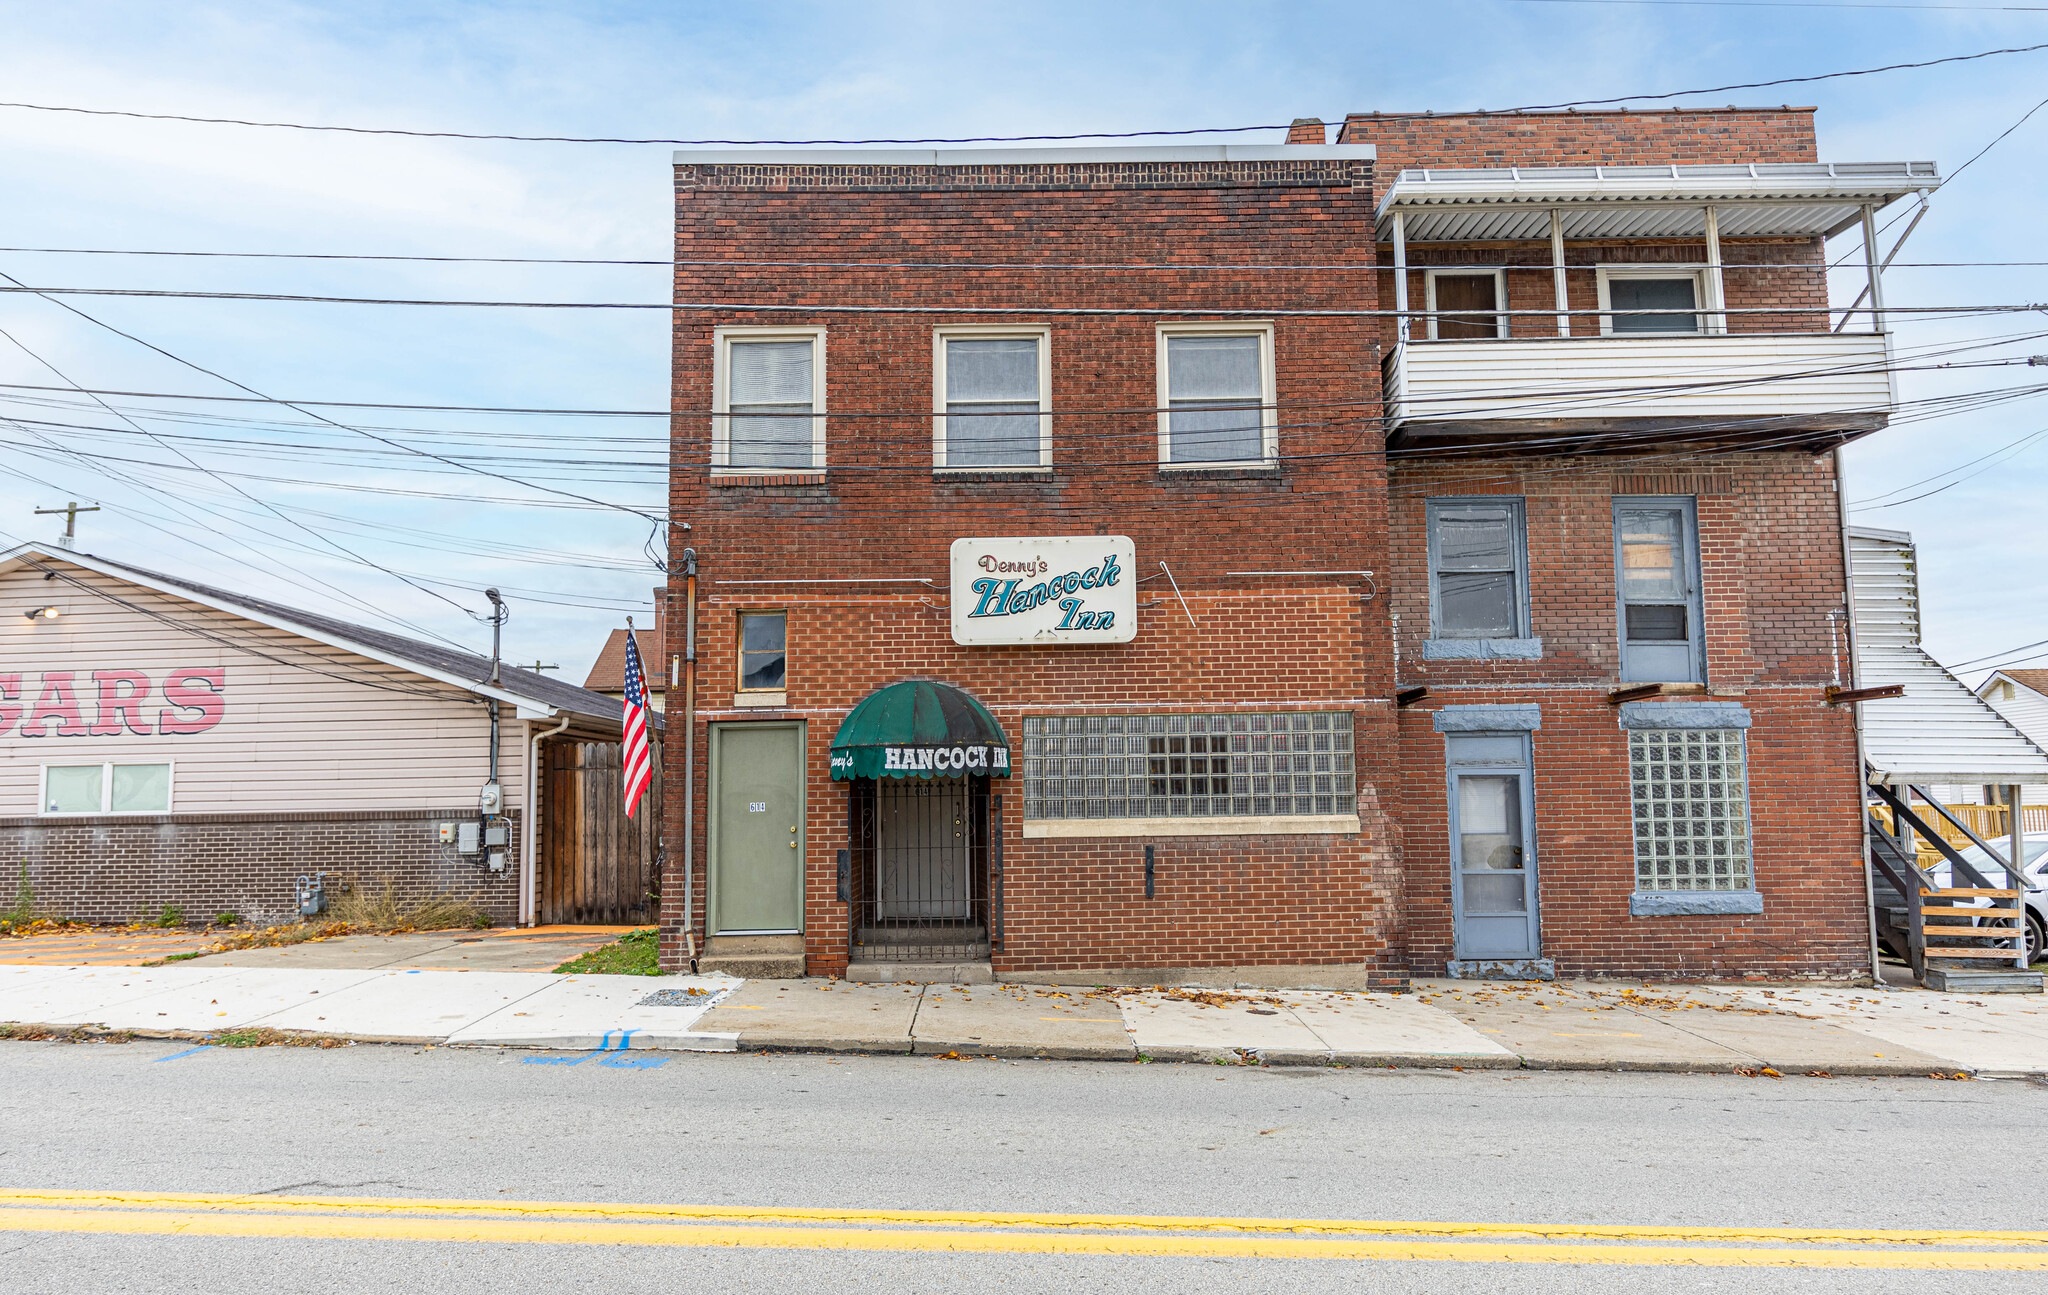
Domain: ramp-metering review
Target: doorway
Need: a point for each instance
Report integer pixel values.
(920, 887)
(756, 830)
(1494, 905)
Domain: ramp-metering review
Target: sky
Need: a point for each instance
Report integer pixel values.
(351, 518)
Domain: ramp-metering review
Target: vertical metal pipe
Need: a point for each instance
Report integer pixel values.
(1564, 303)
(689, 752)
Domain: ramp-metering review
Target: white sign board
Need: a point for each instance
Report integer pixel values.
(1045, 590)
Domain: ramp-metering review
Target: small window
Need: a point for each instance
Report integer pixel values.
(1465, 304)
(106, 789)
(991, 392)
(1674, 299)
(770, 388)
(1241, 765)
(1478, 569)
(763, 651)
(1216, 389)
(1656, 561)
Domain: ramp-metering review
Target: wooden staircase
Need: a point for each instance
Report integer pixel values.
(1973, 925)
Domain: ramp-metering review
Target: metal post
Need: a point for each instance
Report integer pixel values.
(1717, 322)
(1401, 277)
(1873, 269)
(2016, 859)
(689, 752)
(1564, 321)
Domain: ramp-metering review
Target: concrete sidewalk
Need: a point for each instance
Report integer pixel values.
(1469, 1025)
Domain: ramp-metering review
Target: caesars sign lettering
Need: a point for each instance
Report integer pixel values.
(56, 703)
(1045, 590)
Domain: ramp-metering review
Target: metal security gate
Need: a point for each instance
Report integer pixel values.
(597, 867)
(919, 884)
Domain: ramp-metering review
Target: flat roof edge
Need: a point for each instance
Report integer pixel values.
(1024, 156)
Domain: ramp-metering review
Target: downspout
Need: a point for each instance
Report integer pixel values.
(529, 873)
(1856, 715)
(690, 754)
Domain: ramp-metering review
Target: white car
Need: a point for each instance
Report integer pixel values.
(2034, 870)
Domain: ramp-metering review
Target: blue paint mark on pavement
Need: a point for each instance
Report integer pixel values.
(605, 1047)
(204, 1047)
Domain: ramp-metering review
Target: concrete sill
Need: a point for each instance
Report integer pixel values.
(1276, 825)
(760, 699)
(1694, 903)
(1529, 649)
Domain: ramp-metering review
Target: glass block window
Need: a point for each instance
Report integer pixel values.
(1188, 766)
(1691, 796)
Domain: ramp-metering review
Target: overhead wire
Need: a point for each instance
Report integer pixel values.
(987, 139)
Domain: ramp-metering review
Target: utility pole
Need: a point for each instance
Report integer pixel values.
(70, 512)
(537, 667)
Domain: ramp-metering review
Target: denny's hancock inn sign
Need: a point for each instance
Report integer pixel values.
(1045, 591)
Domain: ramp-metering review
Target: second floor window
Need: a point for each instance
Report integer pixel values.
(1217, 389)
(992, 393)
(1673, 299)
(770, 389)
(764, 655)
(1478, 569)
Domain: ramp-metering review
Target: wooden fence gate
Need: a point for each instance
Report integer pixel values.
(598, 867)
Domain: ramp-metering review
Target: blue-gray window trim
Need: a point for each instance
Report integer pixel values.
(1695, 903)
(1688, 508)
(1519, 513)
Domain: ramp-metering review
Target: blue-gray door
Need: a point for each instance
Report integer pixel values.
(1494, 907)
(1657, 588)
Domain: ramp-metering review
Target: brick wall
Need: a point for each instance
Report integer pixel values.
(1771, 570)
(128, 869)
(1619, 138)
(880, 511)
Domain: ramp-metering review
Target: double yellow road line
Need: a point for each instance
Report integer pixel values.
(359, 1218)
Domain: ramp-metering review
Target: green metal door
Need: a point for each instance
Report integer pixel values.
(757, 829)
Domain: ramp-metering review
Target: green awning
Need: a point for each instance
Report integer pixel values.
(920, 728)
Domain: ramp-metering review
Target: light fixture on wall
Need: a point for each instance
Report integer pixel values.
(46, 613)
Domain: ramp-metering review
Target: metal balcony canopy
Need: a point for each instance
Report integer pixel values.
(1759, 200)
(1939, 732)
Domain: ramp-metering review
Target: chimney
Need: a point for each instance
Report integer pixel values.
(1307, 130)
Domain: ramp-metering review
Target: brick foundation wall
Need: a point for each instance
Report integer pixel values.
(128, 869)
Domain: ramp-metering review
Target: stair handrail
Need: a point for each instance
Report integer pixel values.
(2012, 869)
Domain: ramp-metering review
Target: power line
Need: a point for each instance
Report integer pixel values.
(983, 139)
(198, 368)
(1090, 266)
(1806, 4)
(1235, 312)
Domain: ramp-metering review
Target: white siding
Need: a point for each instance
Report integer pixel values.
(305, 726)
(1729, 375)
(2027, 711)
(1939, 732)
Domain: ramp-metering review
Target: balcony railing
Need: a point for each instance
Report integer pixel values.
(1829, 386)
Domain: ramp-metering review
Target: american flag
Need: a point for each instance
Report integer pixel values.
(639, 760)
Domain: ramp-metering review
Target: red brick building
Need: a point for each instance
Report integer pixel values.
(1308, 563)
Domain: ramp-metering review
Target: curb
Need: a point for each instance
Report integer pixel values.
(1026, 1051)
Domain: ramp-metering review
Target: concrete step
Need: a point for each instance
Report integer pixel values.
(924, 973)
(754, 957)
(1956, 980)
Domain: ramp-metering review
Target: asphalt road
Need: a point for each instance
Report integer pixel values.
(928, 1134)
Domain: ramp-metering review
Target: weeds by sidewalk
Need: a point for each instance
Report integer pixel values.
(353, 913)
(634, 954)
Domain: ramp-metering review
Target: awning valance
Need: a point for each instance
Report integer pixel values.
(919, 728)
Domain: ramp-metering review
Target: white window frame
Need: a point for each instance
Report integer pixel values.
(1042, 334)
(1702, 308)
(721, 391)
(1500, 296)
(106, 788)
(1268, 421)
